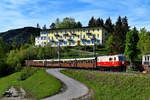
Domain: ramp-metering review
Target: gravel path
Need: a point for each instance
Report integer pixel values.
(74, 89)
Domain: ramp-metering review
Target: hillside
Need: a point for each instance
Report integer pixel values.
(20, 36)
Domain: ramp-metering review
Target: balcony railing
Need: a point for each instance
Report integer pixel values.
(89, 33)
(57, 34)
(65, 34)
(70, 39)
(83, 39)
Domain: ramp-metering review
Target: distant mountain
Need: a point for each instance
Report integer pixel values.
(21, 35)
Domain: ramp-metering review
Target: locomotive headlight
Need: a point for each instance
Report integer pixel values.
(122, 62)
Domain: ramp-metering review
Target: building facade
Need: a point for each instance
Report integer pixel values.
(71, 36)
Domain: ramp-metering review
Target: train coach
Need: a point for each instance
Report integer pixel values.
(111, 62)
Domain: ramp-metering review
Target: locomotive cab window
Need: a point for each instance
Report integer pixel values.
(114, 58)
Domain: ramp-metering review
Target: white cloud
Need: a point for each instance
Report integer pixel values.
(20, 13)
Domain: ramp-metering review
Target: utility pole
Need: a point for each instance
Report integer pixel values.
(59, 53)
(94, 52)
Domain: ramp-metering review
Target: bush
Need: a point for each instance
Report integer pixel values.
(27, 72)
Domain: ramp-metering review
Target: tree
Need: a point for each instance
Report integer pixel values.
(78, 25)
(109, 26)
(131, 49)
(3, 51)
(110, 45)
(44, 27)
(67, 23)
(92, 22)
(144, 42)
(120, 30)
(52, 26)
(41, 53)
(57, 23)
(38, 26)
(99, 22)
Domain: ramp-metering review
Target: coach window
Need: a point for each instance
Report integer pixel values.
(110, 59)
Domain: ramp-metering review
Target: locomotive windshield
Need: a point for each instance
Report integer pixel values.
(122, 58)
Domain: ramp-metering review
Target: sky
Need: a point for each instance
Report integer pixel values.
(21, 13)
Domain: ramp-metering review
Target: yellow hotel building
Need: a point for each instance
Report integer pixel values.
(71, 36)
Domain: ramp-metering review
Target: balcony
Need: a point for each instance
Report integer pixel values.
(65, 34)
(83, 39)
(56, 34)
(61, 40)
(93, 38)
(70, 39)
(52, 41)
(89, 33)
(74, 34)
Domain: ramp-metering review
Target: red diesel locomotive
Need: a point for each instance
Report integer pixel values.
(112, 62)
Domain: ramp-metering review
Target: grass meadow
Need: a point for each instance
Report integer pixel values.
(109, 86)
(39, 84)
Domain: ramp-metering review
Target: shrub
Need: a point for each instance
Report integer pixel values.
(27, 72)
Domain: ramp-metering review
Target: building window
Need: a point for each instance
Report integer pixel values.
(78, 36)
(52, 38)
(69, 43)
(84, 36)
(49, 38)
(56, 37)
(88, 35)
(88, 41)
(65, 42)
(52, 32)
(98, 29)
(84, 42)
(98, 41)
(93, 35)
(56, 43)
(93, 41)
(41, 37)
(97, 35)
(88, 30)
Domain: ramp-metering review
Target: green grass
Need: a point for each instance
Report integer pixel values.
(108, 86)
(40, 84)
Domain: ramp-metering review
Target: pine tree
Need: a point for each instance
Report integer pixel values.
(38, 26)
(57, 23)
(99, 22)
(109, 26)
(44, 27)
(52, 26)
(78, 25)
(119, 37)
(92, 22)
